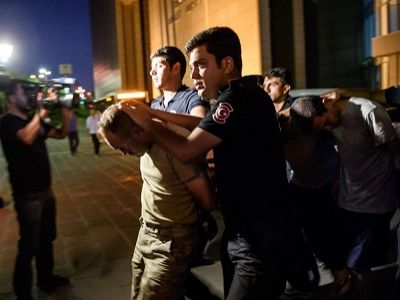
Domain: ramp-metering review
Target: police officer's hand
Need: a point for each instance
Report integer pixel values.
(136, 112)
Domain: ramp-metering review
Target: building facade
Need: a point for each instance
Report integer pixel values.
(323, 43)
(386, 44)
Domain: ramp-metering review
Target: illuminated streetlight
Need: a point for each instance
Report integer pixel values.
(5, 52)
(43, 73)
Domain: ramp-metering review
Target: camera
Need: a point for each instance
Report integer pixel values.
(100, 104)
(49, 98)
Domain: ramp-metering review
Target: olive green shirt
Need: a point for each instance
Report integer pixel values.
(165, 198)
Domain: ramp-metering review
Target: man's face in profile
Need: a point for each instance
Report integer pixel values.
(275, 88)
(206, 74)
(161, 73)
(21, 99)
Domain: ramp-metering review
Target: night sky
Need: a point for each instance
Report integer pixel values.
(46, 33)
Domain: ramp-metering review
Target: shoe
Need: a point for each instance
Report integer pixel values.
(53, 282)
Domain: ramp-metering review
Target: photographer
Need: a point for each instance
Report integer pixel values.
(23, 141)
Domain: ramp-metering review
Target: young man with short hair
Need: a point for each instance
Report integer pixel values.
(168, 67)
(277, 84)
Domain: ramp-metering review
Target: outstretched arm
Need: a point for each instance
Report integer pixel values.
(185, 149)
(189, 122)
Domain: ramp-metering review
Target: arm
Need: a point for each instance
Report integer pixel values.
(63, 131)
(184, 148)
(189, 122)
(201, 189)
(186, 121)
(28, 134)
(199, 111)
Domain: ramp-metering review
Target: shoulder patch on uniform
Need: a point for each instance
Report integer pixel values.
(222, 113)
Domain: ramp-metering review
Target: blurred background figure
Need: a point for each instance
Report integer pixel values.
(91, 125)
(73, 136)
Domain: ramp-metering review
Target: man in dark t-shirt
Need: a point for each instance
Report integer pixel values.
(23, 141)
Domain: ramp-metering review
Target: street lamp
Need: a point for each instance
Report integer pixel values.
(43, 73)
(5, 54)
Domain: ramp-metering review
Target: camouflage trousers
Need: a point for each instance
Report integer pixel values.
(161, 260)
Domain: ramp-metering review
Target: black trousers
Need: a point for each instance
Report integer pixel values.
(73, 140)
(258, 260)
(317, 216)
(36, 217)
(96, 143)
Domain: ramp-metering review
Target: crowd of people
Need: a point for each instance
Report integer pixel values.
(318, 181)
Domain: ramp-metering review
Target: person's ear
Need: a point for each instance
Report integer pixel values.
(227, 64)
(176, 68)
(286, 88)
(328, 102)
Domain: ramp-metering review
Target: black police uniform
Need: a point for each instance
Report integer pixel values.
(251, 186)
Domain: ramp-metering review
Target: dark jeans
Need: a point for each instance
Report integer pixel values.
(73, 140)
(96, 144)
(365, 238)
(317, 216)
(259, 259)
(36, 217)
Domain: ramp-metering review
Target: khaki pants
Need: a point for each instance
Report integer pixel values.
(161, 261)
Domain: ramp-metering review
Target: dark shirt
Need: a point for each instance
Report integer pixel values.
(250, 165)
(183, 101)
(28, 165)
(288, 102)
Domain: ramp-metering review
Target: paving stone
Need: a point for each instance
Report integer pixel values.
(123, 219)
(74, 228)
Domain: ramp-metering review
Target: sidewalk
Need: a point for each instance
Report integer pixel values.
(98, 206)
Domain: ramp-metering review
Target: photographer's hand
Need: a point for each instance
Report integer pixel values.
(43, 113)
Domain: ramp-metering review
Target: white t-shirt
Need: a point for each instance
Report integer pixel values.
(368, 168)
(91, 123)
